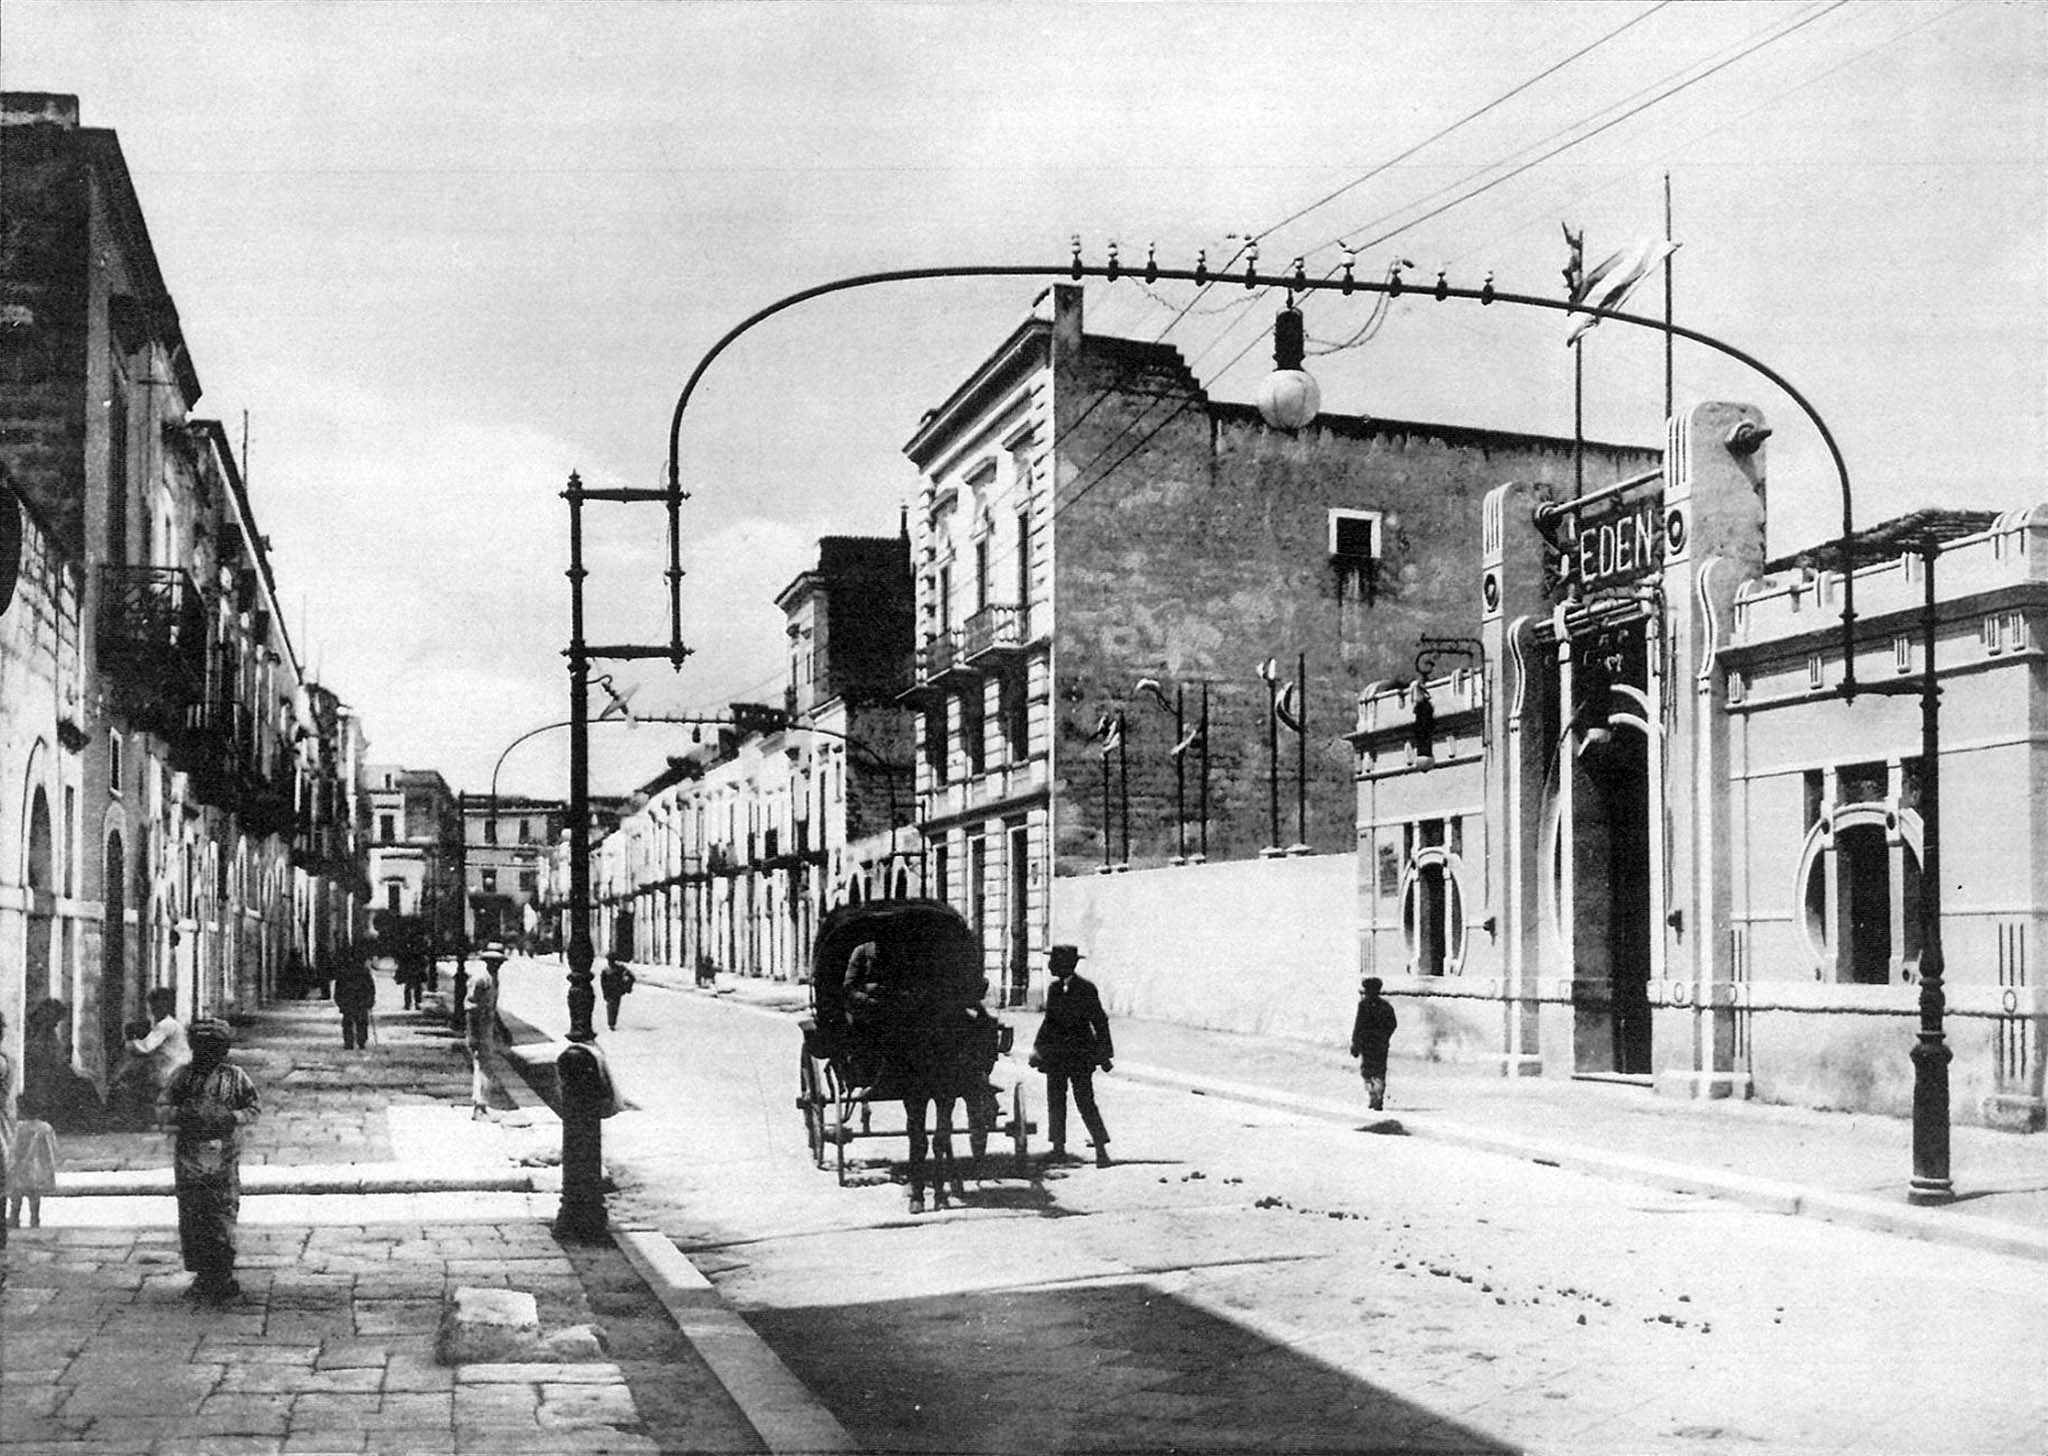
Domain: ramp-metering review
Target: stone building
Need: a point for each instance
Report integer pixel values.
(1642, 835)
(728, 860)
(413, 826)
(1143, 618)
(183, 838)
(507, 842)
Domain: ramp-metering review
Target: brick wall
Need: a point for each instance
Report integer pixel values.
(1191, 543)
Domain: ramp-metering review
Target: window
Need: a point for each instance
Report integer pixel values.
(945, 599)
(1355, 535)
(487, 881)
(526, 831)
(387, 827)
(117, 467)
(529, 880)
(490, 831)
(973, 737)
(935, 746)
(1016, 707)
(1024, 576)
(1859, 877)
(393, 891)
(981, 574)
(1432, 904)
(114, 763)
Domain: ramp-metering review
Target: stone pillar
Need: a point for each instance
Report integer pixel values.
(1713, 543)
(1519, 694)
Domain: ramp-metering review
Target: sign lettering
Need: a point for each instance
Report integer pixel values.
(1622, 548)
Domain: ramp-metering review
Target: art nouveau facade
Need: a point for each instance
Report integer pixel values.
(1642, 835)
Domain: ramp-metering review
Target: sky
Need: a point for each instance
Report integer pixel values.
(441, 255)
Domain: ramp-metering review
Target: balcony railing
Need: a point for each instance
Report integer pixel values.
(152, 643)
(993, 631)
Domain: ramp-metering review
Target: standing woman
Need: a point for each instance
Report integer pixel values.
(206, 1106)
(480, 1029)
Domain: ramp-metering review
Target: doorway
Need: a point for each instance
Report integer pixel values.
(114, 991)
(1017, 908)
(1613, 914)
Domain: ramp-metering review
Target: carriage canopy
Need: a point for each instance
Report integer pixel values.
(926, 960)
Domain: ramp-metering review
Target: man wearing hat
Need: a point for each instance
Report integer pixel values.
(1073, 1040)
(1371, 1030)
(205, 1106)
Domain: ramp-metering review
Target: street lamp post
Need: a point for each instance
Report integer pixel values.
(1290, 398)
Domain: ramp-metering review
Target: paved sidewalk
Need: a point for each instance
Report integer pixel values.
(369, 1197)
(1843, 1167)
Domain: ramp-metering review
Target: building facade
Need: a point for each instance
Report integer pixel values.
(413, 826)
(729, 859)
(1639, 833)
(508, 840)
(1143, 617)
(170, 801)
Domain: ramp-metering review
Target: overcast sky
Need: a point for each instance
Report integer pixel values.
(442, 254)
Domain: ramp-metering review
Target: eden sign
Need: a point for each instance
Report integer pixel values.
(1622, 547)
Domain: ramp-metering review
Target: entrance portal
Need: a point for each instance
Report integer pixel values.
(1613, 911)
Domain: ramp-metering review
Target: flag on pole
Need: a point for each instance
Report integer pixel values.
(1111, 731)
(1287, 707)
(1193, 739)
(1608, 283)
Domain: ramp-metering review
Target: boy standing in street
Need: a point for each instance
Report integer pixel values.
(206, 1106)
(1371, 1030)
(1072, 1042)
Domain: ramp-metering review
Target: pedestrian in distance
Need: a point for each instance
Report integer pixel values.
(615, 981)
(205, 1108)
(1371, 1030)
(355, 991)
(480, 1028)
(1073, 1040)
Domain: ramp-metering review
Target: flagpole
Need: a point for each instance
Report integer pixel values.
(1578, 417)
(1669, 337)
(1301, 752)
(1205, 771)
(1273, 759)
(1123, 783)
(1105, 809)
(1180, 774)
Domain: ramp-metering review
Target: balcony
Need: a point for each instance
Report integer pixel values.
(994, 635)
(216, 747)
(152, 645)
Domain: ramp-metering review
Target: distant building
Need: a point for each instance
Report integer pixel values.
(414, 829)
(508, 841)
(728, 860)
(186, 792)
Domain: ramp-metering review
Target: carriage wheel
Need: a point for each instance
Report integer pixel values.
(841, 1132)
(1020, 1131)
(811, 1099)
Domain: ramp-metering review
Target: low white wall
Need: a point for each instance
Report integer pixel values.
(1268, 947)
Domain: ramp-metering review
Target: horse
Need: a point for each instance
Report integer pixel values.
(941, 1059)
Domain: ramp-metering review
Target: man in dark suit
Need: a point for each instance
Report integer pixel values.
(1073, 1041)
(1371, 1030)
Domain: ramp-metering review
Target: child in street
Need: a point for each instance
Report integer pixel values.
(1371, 1030)
(206, 1106)
(28, 1153)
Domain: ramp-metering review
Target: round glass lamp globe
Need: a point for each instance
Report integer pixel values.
(1289, 398)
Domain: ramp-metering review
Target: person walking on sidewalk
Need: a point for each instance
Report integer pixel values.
(1073, 1040)
(355, 992)
(616, 980)
(205, 1108)
(480, 1028)
(1371, 1030)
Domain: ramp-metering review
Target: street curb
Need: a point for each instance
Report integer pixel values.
(780, 1407)
(1875, 1215)
(274, 1178)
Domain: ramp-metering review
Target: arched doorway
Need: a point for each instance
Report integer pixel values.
(114, 992)
(40, 877)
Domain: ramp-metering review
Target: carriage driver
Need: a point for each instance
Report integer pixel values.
(1072, 1042)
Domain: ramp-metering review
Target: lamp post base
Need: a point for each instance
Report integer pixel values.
(582, 1216)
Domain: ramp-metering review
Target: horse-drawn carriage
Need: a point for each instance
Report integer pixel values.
(896, 1017)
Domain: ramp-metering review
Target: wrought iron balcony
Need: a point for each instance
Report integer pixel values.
(152, 644)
